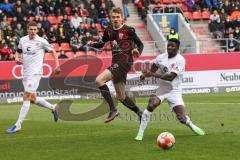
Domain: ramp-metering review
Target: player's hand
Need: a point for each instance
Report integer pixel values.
(147, 73)
(57, 70)
(142, 77)
(19, 60)
(135, 52)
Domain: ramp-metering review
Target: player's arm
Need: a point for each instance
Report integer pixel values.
(136, 51)
(168, 76)
(101, 42)
(145, 73)
(55, 57)
(18, 57)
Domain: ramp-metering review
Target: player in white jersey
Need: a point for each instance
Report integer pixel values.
(169, 68)
(30, 54)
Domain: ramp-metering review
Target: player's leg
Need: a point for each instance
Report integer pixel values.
(154, 101)
(185, 119)
(101, 83)
(176, 103)
(126, 101)
(27, 98)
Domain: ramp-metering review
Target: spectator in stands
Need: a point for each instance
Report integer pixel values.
(214, 16)
(158, 8)
(46, 23)
(190, 4)
(229, 23)
(65, 21)
(52, 35)
(125, 9)
(1, 36)
(61, 32)
(235, 13)
(172, 34)
(12, 42)
(5, 52)
(19, 32)
(11, 57)
(1, 15)
(75, 42)
(70, 32)
(82, 12)
(20, 14)
(93, 13)
(49, 7)
(226, 8)
(231, 44)
(4, 23)
(62, 55)
(14, 22)
(237, 22)
(236, 33)
(17, 5)
(27, 8)
(109, 5)
(76, 20)
(60, 7)
(103, 16)
(7, 8)
(218, 28)
(212, 4)
(81, 29)
(85, 40)
(41, 30)
(38, 19)
(38, 8)
(93, 30)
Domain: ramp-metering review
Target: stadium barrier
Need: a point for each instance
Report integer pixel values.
(205, 73)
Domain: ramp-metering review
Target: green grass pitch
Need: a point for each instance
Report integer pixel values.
(41, 138)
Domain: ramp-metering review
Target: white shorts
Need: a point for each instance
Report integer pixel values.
(173, 98)
(31, 83)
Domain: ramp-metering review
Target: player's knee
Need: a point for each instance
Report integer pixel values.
(181, 118)
(29, 97)
(153, 102)
(120, 97)
(99, 82)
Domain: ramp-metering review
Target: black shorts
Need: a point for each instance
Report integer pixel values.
(119, 71)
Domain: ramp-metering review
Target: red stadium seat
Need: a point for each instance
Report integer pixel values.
(167, 1)
(55, 46)
(80, 53)
(87, 26)
(59, 19)
(188, 15)
(52, 19)
(99, 27)
(184, 8)
(177, 1)
(197, 15)
(48, 56)
(70, 54)
(206, 15)
(65, 47)
(31, 19)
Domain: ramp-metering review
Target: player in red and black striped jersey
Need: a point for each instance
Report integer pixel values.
(125, 45)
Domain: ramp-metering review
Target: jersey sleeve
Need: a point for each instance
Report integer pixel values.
(47, 46)
(20, 44)
(136, 40)
(178, 67)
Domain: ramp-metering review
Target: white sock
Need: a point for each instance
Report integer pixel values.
(43, 103)
(144, 121)
(23, 112)
(189, 122)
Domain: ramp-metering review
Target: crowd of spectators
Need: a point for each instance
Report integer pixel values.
(224, 20)
(59, 21)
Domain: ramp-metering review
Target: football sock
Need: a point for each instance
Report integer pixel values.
(23, 112)
(188, 122)
(144, 121)
(43, 103)
(107, 96)
(131, 105)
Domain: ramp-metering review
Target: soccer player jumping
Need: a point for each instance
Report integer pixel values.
(30, 54)
(169, 67)
(125, 44)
